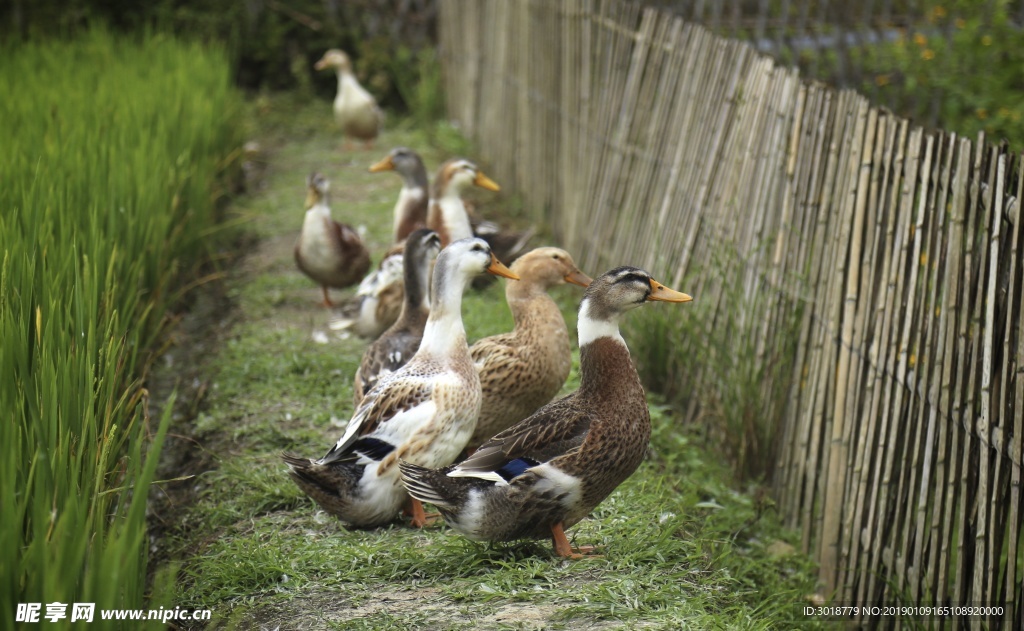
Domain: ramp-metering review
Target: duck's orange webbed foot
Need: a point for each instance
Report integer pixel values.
(414, 509)
(567, 551)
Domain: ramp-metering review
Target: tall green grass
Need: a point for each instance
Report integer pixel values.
(108, 186)
(722, 363)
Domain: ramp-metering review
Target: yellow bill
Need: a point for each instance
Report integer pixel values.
(577, 277)
(483, 181)
(384, 165)
(498, 269)
(663, 293)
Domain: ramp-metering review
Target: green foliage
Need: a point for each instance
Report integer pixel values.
(111, 149)
(721, 363)
(275, 44)
(962, 68)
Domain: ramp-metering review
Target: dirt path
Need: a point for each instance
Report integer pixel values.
(258, 373)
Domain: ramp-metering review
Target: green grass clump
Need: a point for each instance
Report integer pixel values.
(111, 153)
(721, 363)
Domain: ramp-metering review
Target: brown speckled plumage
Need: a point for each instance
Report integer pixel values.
(550, 470)
(399, 343)
(523, 369)
(424, 412)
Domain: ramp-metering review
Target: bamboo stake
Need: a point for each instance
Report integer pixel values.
(951, 314)
(896, 365)
(1015, 450)
(851, 237)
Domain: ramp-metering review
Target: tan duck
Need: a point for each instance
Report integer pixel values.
(423, 413)
(330, 253)
(447, 215)
(378, 300)
(521, 370)
(549, 471)
(354, 108)
(395, 346)
(413, 199)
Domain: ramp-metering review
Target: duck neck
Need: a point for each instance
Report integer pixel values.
(530, 303)
(345, 79)
(417, 298)
(454, 216)
(444, 333)
(606, 369)
(411, 209)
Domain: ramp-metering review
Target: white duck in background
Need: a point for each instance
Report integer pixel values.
(355, 109)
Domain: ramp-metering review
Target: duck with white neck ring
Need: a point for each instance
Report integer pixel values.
(549, 471)
(423, 413)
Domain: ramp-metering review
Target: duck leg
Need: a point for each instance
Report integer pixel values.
(420, 518)
(327, 298)
(564, 549)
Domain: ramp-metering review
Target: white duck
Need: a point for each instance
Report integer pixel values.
(355, 109)
(423, 413)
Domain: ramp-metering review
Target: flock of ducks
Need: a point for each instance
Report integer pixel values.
(471, 430)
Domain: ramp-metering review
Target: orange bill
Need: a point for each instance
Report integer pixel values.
(483, 181)
(661, 292)
(498, 269)
(384, 165)
(312, 197)
(577, 277)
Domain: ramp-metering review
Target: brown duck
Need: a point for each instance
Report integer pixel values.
(549, 471)
(522, 369)
(330, 253)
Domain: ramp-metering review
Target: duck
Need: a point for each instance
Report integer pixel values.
(523, 369)
(355, 109)
(329, 252)
(395, 346)
(377, 302)
(547, 472)
(423, 413)
(411, 209)
(447, 215)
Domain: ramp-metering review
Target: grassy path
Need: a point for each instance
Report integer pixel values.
(682, 548)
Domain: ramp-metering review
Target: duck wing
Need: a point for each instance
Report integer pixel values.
(555, 430)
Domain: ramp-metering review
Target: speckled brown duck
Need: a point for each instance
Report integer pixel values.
(523, 369)
(549, 471)
(393, 349)
(423, 413)
(330, 253)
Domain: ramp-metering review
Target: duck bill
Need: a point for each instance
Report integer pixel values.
(483, 181)
(577, 277)
(320, 65)
(384, 165)
(312, 198)
(664, 294)
(498, 269)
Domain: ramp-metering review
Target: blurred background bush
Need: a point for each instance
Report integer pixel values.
(274, 42)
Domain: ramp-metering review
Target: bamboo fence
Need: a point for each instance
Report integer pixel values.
(641, 138)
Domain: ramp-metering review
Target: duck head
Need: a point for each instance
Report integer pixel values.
(335, 59)
(317, 187)
(614, 293)
(548, 267)
(457, 174)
